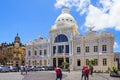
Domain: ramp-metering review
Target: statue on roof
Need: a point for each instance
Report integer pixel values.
(91, 28)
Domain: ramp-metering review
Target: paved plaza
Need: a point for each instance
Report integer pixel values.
(11, 76)
(50, 75)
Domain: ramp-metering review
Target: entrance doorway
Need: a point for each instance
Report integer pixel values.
(54, 62)
(60, 60)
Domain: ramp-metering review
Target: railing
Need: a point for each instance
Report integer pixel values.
(60, 54)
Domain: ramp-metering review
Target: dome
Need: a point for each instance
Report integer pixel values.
(65, 16)
(65, 19)
(17, 39)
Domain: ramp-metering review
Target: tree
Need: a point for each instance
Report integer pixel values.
(65, 64)
(91, 62)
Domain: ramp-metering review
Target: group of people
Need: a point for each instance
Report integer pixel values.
(86, 71)
(23, 69)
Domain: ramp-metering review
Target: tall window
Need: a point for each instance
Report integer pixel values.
(35, 62)
(95, 48)
(40, 63)
(45, 52)
(35, 52)
(54, 49)
(78, 50)
(67, 49)
(87, 61)
(104, 48)
(29, 62)
(104, 62)
(61, 38)
(45, 62)
(40, 52)
(87, 49)
(29, 53)
(60, 49)
(78, 62)
(96, 62)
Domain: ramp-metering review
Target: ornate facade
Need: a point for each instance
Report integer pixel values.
(65, 43)
(12, 54)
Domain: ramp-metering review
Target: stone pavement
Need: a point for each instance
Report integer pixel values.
(76, 75)
(41, 75)
(50, 75)
(11, 76)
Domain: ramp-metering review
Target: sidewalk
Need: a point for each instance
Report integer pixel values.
(11, 76)
(76, 75)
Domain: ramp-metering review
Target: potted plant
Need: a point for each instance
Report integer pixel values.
(114, 72)
(65, 65)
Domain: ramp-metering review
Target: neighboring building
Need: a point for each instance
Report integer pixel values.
(117, 59)
(66, 44)
(12, 54)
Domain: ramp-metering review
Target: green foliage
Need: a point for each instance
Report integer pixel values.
(113, 70)
(91, 62)
(65, 64)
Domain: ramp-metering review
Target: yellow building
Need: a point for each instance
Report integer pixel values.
(13, 54)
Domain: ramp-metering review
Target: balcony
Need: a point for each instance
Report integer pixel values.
(16, 58)
(60, 54)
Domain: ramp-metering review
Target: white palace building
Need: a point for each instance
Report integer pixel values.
(65, 43)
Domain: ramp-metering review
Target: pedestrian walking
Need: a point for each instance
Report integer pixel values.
(85, 73)
(22, 69)
(26, 69)
(58, 73)
(91, 70)
(68, 69)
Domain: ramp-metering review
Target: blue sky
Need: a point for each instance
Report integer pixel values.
(30, 18)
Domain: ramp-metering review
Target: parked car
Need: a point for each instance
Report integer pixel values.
(13, 68)
(4, 69)
(50, 68)
(30, 68)
(44, 68)
(39, 68)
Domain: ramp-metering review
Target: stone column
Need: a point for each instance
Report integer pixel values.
(56, 50)
(64, 50)
(56, 61)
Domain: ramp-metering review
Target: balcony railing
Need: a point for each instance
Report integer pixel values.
(60, 54)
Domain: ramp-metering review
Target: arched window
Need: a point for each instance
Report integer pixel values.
(61, 38)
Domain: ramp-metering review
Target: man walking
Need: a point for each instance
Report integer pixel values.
(85, 73)
(58, 73)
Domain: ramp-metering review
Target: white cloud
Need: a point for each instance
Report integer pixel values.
(105, 16)
(116, 45)
(81, 5)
